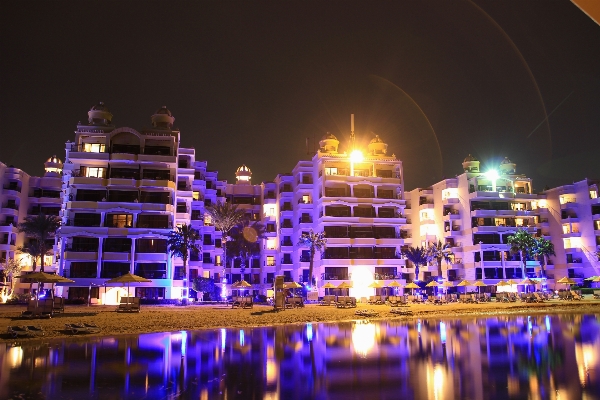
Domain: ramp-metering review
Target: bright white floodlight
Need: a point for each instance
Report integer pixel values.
(492, 174)
(356, 156)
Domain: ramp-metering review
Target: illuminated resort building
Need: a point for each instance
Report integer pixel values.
(474, 213)
(22, 195)
(121, 191)
(574, 225)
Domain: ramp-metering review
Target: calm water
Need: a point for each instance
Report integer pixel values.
(537, 357)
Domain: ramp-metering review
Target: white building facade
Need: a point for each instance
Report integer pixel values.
(121, 191)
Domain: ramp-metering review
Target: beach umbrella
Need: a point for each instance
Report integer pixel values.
(596, 279)
(394, 284)
(502, 283)
(328, 285)
(412, 286)
(128, 278)
(566, 280)
(432, 284)
(345, 285)
(591, 278)
(464, 283)
(44, 277)
(291, 285)
(527, 282)
(479, 284)
(376, 285)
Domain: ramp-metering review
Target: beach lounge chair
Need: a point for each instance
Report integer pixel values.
(129, 304)
(58, 305)
(576, 296)
(597, 294)
(35, 330)
(367, 313)
(394, 301)
(31, 309)
(327, 300)
(19, 331)
(538, 298)
(82, 328)
(399, 311)
(247, 302)
(235, 302)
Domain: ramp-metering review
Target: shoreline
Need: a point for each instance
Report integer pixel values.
(157, 318)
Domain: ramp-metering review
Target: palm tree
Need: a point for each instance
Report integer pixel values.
(41, 227)
(521, 243)
(544, 248)
(224, 217)
(245, 241)
(315, 242)
(418, 256)
(181, 242)
(33, 250)
(440, 251)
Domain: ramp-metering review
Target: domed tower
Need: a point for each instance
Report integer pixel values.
(377, 147)
(470, 164)
(99, 115)
(329, 143)
(243, 175)
(507, 167)
(53, 166)
(163, 119)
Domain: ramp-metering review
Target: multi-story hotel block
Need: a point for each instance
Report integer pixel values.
(121, 191)
(573, 223)
(475, 212)
(22, 195)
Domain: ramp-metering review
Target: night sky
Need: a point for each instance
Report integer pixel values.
(249, 82)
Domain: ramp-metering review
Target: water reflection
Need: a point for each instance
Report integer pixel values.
(532, 357)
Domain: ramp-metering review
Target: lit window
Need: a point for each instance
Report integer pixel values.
(331, 171)
(565, 228)
(93, 147)
(217, 260)
(269, 210)
(306, 199)
(93, 172)
(593, 194)
(450, 193)
(196, 196)
(270, 261)
(207, 219)
(120, 220)
(271, 244)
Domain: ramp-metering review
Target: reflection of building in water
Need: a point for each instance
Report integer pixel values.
(496, 358)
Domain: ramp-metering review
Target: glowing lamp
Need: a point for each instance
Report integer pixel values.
(492, 174)
(356, 156)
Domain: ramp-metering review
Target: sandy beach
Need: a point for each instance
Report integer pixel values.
(174, 318)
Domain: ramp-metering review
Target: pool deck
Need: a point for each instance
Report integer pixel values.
(197, 316)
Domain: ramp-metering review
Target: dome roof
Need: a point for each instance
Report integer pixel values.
(164, 110)
(99, 107)
(243, 170)
(54, 160)
(470, 158)
(376, 139)
(506, 161)
(329, 136)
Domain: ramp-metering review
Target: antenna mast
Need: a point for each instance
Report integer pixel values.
(352, 131)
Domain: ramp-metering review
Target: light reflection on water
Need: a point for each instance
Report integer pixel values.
(524, 357)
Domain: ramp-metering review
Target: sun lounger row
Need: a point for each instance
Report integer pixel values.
(82, 328)
(242, 301)
(42, 308)
(345, 301)
(25, 331)
(376, 300)
(367, 313)
(294, 302)
(396, 301)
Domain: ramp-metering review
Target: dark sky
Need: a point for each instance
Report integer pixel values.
(249, 81)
